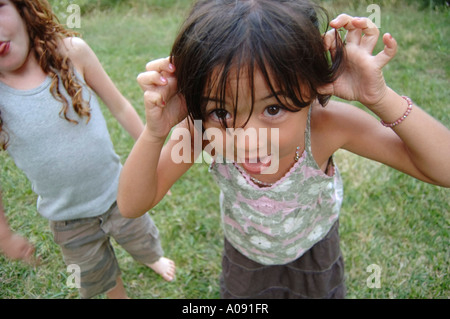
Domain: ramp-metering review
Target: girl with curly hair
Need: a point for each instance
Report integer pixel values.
(52, 126)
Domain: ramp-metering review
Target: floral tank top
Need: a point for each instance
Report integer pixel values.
(276, 225)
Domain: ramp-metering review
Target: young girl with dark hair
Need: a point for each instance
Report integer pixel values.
(265, 65)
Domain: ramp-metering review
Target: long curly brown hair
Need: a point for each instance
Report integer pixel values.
(46, 33)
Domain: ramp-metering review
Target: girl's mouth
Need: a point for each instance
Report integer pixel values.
(4, 48)
(258, 165)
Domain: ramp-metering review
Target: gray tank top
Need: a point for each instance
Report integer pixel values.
(73, 168)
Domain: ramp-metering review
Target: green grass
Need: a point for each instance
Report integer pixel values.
(388, 219)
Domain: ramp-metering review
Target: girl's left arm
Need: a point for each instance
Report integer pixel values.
(419, 145)
(426, 141)
(86, 62)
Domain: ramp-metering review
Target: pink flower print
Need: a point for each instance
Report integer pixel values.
(262, 254)
(294, 252)
(261, 242)
(224, 171)
(316, 233)
(266, 205)
(232, 223)
(288, 211)
(309, 172)
(318, 219)
(333, 218)
(258, 227)
(240, 248)
(295, 238)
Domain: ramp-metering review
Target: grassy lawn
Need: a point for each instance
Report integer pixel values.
(388, 219)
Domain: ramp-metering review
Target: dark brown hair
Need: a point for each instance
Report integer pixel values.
(279, 38)
(46, 33)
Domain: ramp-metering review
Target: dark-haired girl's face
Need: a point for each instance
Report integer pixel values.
(14, 40)
(272, 132)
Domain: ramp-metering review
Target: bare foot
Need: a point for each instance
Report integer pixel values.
(164, 267)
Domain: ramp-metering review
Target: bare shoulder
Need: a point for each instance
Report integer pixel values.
(339, 115)
(336, 126)
(328, 120)
(77, 50)
(74, 47)
(333, 111)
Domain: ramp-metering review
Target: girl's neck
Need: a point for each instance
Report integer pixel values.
(285, 165)
(27, 77)
(281, 174)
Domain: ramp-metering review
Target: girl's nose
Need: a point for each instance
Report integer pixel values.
(251, 142)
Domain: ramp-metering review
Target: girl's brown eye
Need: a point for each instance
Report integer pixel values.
(273, 110)
(220, 115)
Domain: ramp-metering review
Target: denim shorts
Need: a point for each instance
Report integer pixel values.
(86, 243)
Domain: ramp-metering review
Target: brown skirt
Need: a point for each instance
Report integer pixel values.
(319, 273)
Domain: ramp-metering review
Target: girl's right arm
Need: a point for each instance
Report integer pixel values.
(149, 171)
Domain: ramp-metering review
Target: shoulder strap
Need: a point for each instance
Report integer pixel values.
(308, 132)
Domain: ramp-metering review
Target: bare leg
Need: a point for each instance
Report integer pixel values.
(164, 267)
(118, 292)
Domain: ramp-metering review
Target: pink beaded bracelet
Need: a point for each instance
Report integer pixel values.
(403, 117)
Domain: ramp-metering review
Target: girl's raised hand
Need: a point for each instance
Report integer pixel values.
(164, 108)
(362, 79)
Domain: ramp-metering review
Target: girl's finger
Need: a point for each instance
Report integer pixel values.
(160, 65)
(329, 42)
(389, 51)
(152, 99)
(353, 36)
(370, 31)
(361, 31)
(149, 78)
(346, 22)
(342, 21)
